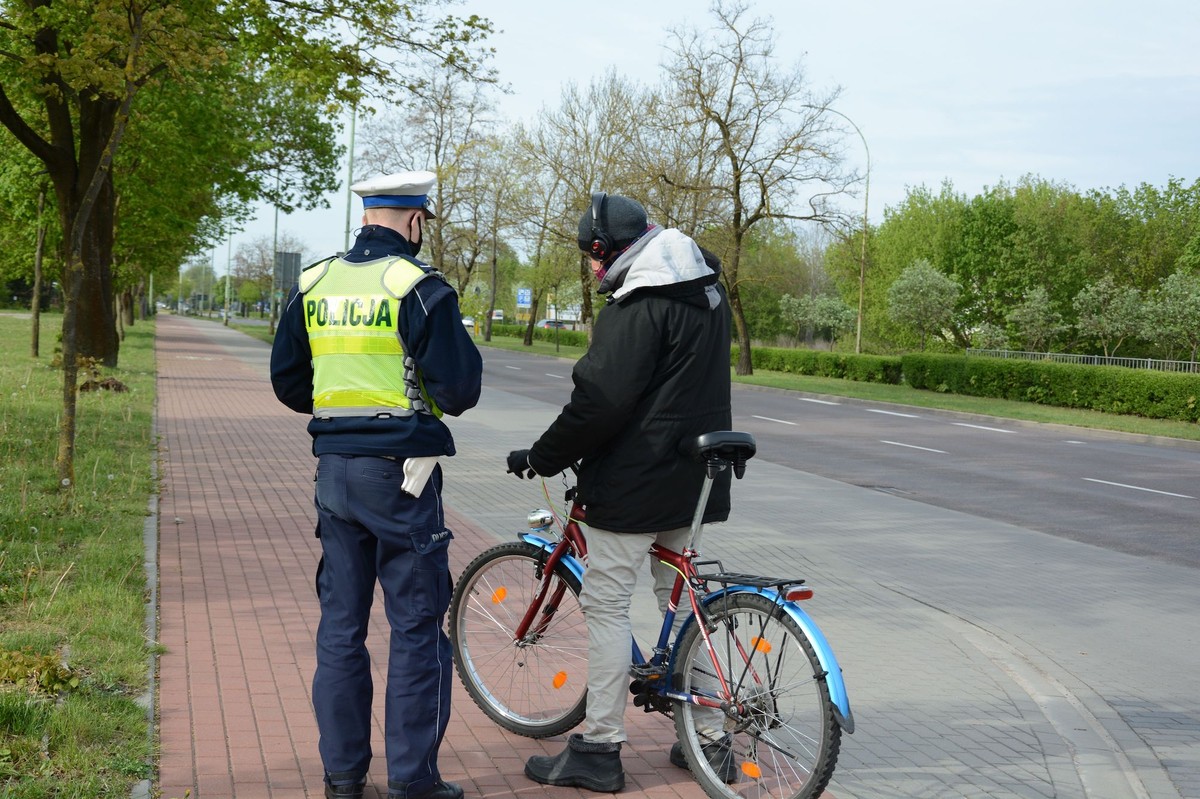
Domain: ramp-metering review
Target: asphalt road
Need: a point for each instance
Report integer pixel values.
(1131, 494)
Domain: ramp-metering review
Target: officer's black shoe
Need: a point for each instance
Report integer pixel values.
(440, 790)
(352, 791)
(720, 757)
(595, 766)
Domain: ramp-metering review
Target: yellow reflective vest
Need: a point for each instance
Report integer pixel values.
(351, 313)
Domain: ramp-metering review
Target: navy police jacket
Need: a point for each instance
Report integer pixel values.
(431, 326)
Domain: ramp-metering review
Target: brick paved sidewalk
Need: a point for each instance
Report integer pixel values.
(238, 613)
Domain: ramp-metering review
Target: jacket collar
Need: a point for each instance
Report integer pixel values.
(377, 241)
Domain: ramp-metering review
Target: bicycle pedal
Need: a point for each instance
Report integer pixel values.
(647, 672)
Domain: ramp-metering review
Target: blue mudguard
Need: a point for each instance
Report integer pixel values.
(570, 561)
(825, 656)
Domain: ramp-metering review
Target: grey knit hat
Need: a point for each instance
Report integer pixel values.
(618, 218)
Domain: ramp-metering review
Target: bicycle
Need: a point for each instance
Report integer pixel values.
(755, 691)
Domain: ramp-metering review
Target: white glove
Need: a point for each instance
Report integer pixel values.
(416, 474)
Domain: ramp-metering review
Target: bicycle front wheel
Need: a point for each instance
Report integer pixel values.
(776, 737)
(535, 685)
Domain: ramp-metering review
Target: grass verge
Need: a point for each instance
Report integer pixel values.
(73, 650)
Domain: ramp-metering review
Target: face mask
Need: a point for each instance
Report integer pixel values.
(416, 245)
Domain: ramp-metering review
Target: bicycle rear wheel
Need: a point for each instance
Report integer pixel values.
(536, 686)
(778, 738)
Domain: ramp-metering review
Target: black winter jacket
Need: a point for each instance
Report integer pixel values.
(656, 373)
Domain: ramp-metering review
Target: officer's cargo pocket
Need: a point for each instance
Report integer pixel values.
(431, 576)
(431, 592)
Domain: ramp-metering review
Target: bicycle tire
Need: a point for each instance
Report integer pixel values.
(537, 687)
(783, 740)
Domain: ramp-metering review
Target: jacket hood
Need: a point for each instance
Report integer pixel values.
(665, 261)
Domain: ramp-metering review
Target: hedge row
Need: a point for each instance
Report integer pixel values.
(568, 338)
(1111, 389)
(846, 366)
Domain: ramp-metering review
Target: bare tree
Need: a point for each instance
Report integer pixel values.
(584, 145)
(443, 128)
(254, 264)
(499, 177)
(764, 146)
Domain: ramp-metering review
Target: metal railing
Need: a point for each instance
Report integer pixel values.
(1092, 360)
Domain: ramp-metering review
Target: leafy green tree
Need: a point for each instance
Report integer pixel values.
(778, 261)
(1161, 223)
(1109, 313)
(71, 73)
(826, 314)
(922, 227)
(1173, 318)
(923, 299)
(989, 336)
(1034, 322)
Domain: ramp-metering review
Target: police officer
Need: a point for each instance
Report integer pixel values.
(373, 346)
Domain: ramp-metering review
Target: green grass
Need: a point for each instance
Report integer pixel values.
(72, 582)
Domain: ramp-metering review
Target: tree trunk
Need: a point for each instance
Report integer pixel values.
(64, 460)
(129, 306)
(586, 283)
(745, 364)
(35, 306)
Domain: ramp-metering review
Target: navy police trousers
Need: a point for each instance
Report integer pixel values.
(370, 530)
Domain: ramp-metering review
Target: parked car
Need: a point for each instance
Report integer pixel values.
(469, 323)
(551, 324)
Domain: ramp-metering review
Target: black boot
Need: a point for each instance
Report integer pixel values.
(720, 757)
(352, 791)
(440, 790)
(583, 764)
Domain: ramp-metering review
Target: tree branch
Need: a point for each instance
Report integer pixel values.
(28, 137)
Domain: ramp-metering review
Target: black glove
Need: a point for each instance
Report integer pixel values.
(518, 464)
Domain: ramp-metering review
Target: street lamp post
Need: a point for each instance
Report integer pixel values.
(350, 175)
(862, 262)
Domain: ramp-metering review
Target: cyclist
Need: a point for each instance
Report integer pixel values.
(656, 373)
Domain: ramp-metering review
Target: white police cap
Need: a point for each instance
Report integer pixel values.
(399, 190)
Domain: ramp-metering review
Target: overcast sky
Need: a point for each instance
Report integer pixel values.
(1092, 93)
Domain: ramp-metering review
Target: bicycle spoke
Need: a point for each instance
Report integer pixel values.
(535, 685)
(778, 734)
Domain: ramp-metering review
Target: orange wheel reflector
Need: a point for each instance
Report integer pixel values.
(761, 644)
(799, 594)
(560, 679)
(751, 770)
(499, 595)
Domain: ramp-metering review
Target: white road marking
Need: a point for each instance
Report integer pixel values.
(769, 419)
(556, 377)
(1138, 488)
(819, 402)
(514, 368)
(913, 446)
(981, 427)
(894, 413)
